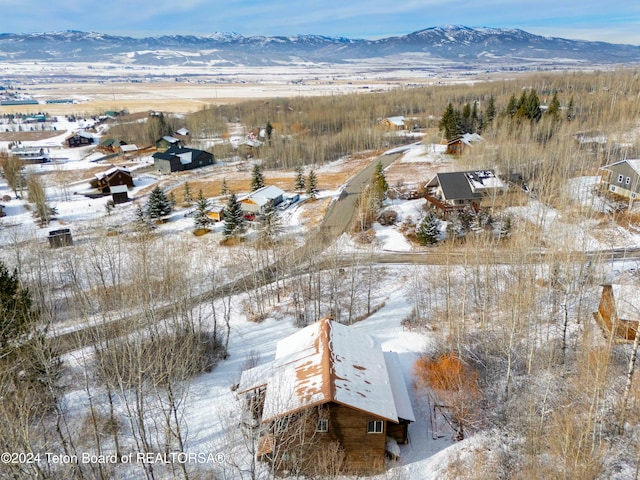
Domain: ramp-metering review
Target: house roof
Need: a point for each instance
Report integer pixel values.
(129, 148)
(186, 155)
(263, 195)
(182, 131)
(112, 171)
(397, 121)
(119, 189)
(627, 300)
(170, 139)
(634, 164)
(328, 362)
(467, 185)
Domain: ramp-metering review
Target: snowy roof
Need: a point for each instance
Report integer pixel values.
(326, 362)
(469, 138)
(185, 157)
(627, 300)
(397, 121)
(467, 185)
(170, 139)
(129, 148)
(264, 194)
(182, 131)
(119, 189)
(634, 164)
(399, 387)
(111, 171)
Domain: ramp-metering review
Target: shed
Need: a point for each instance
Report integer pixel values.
(216, 213)
(60, 238)
(120, 194)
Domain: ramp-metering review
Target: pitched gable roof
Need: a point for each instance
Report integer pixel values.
(634, 164)
(467, 185)
(325, 362)
(627, 301)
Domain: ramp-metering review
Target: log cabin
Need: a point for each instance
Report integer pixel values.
(619, 311)
(330, 388)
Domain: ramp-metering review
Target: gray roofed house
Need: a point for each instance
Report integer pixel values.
(456, 190)
(178, 159)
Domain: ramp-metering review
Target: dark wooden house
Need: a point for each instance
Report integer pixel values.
(60, 238)
(619, 310)
(178, 159)
(333, 385)
(113, 177)
(119, 194)
(79, 139)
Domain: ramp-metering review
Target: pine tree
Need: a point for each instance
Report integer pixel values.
(143, 223)
(512, 106)
(554, 108)
(224, 189)
(233, 219)
(466, 119)
(379, 185)
(16, 315)
(299, 185)
(570, 109)
(450, 123)
(158, 205)
(312, 187)
(186, 194)
(269, 131)
(428, 231)
(201, 218)
(491, 110)
(257, 179)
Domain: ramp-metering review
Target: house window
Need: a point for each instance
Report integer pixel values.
(375, 426)
(612, 188)
(628, 180)
(633, 195)
(322, 425)
(620, 177)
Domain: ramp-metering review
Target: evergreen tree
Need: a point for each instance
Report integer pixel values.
(201, 218)
(379, 185)
(158, 205)
(233, 219)
(143, 223)
(269, 131)
(428, 231)
(299, 185)
(312, 184)
(186, 194)
(224, 189)
(533, 111)
(450, 123)
(172, 200)
(257, 179)
(491, 110)
(466, 119)
(554, 108)
(570, 109)
(512, 106)
(16, 315)
(476, 123)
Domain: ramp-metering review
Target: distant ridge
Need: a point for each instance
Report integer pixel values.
(453, 44)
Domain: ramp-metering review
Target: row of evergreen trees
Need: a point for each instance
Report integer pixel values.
(527, 107)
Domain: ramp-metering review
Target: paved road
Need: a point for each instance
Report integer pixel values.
(340, 213)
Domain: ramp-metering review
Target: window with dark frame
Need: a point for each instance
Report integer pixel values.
(375, 426)
(322, 425)
(628, 180)
(620, 178)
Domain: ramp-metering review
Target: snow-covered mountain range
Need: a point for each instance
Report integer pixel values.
(453, 44)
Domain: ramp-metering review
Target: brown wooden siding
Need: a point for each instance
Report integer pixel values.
(625, 329)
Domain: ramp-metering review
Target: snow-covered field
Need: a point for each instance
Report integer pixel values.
(211, 409)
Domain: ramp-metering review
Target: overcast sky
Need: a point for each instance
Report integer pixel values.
(616, 22)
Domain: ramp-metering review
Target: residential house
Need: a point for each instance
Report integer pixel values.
(31, 154)
(619, 310)
(79, 139)
(394, 123)
(334, 384)
(111, 145)
(216, 213)
(178, 159)
(115, 176)
(621, 178)
(457, 146)
(168, 141)
(454, 191)
(259, 201)
(60, 238)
